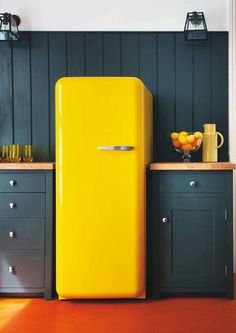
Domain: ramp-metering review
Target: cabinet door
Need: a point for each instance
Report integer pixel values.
(192, 242)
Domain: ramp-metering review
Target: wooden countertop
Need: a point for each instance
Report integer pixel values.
(192, 166)
(28, 166)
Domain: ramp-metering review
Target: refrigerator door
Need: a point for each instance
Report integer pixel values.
(100, 187)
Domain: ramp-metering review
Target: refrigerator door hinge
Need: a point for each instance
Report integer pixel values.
(226, 270)
(226, 215)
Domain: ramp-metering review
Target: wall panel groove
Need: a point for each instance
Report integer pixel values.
(189, 82)
(6, 110)
(111, 54)
(57, 69)
(75, 54)
(164, 121)
(40, 96)
(22, 91)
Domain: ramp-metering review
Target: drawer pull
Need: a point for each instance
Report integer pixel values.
(11, 269)
(192, 183)
(12, 183)
(164, 220)
(12, 234)
(12, 205)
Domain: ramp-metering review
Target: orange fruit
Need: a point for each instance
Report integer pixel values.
(174, 135)
(184, 133)
(196, 142)
(176, 143)
(190, 138)
(198, 135)
(187, 146)
(182, 138)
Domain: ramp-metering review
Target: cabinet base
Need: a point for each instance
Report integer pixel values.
(194, 294)
(46, 296)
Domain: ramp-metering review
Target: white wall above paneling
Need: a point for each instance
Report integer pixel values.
(111, 15)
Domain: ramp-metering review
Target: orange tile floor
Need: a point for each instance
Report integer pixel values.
(190, 315)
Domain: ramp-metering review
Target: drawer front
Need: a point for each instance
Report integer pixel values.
(188, 182)
(22, 182)
(22, 269)
(23, 204)
(21, 234)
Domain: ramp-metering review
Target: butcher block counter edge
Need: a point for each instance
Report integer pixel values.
(192, 166)
(28, 166)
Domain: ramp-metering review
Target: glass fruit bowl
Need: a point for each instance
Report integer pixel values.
(186, 143)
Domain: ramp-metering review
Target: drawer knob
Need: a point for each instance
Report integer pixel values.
(164, 220)
(12, 205)
(12, 234)
(11, 269)
(12, 182)
(192, 183)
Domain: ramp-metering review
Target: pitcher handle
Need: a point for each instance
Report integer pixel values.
(222, 140)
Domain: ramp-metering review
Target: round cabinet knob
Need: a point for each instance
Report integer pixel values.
(12, 205)
(12, 234)
(11, 269)
(192, 183)
(164, 220)
(12, 182)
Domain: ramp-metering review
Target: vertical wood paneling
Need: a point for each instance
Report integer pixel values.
(148, 61)
(220, 88)
(57, 69)
(22, 90)
(94, 54)
(130, 54)
(166, 97)
(40, 96)
(75, 54)
(6, 102)
(112, 54)
(201, 88)
(189, 82)
(184, 84)
(148, 69)
(202, 84)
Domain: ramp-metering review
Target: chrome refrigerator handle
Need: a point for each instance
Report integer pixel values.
(116, 148)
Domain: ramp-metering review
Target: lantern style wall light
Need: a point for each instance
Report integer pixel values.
(9, 27)
(195, 26)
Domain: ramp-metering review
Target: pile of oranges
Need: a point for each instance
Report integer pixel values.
(186, 141)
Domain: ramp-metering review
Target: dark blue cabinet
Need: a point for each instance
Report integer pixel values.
(26, 232)
(192, 232)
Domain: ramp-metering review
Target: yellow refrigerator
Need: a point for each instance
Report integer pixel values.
(103, 146)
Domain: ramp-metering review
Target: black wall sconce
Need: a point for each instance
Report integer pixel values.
(195, 26)
(9, 27)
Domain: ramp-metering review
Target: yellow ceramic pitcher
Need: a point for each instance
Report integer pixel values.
(210, 144)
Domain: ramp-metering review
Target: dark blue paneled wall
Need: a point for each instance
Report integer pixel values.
(189, 82)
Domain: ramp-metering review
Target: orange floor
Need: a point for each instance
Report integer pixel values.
(211, 315)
